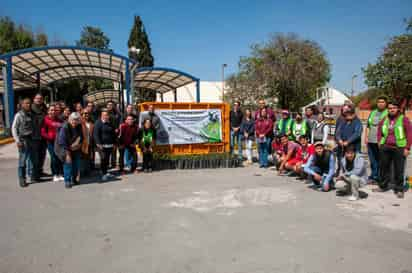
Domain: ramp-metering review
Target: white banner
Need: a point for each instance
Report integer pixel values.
(188, 126)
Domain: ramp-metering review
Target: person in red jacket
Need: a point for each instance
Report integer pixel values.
(49, 130)
(264, 133)
(127, 141)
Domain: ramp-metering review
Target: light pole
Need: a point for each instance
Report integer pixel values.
(353, 85)
(136, 52)
(223, 81)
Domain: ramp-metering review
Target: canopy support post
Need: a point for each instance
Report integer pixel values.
(38, 82)
(198, 91)
(8, 93)
(161, 97)
(128, 81)
(175, 95)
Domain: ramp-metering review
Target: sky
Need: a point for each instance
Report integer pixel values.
(199, 36)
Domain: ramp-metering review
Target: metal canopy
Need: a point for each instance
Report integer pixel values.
(102, 96)
(49, 64)
(161, 79)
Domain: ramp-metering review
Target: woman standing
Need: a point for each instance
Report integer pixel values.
(264, 131)
(320, 131)
(247, 130)
(88, 143)
(71, 139)
(147, 138)
(49, 130)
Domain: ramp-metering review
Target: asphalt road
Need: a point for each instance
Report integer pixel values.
(227, 220)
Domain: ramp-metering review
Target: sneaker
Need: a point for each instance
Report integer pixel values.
(110, 176)
(22, 183)
(353, 198)
(400, 194)
(68, 185)
(105, 177)
(55, 178)
(61, 178)
(150, 170)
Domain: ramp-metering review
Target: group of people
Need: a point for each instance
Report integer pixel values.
(72, 139)
(304, 147)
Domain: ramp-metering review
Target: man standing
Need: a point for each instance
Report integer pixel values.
(349, 133)
(39, 111)
(105, 138)
(300, 127)
(127, 142)
(321, 167)
(285, 125)
(269, 111)
(354, 174)
(395, 140)
(22, 130)
(310, 118)
(151, 115)
(371, 136)
(114, 119)
(236, 118)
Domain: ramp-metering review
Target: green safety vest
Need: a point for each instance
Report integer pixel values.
(303, 129)
(384, 114)
(288, 127)
(400, 135)
(147, 137)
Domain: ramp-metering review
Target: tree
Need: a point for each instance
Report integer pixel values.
(138, 38)
(286, 70)
(392, 71)
(7, 39)
(93, 37)
(41, 38)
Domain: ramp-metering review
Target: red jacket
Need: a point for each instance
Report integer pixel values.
(264, 127)
(127, 134)
(49, 128)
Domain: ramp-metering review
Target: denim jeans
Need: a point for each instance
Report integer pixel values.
(56, 165)
(71, 169)
(249, 152)
(25, 156)
(373, 154)
(238, 139)
(263, 150)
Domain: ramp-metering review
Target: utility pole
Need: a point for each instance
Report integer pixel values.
(223, 81)
(353, 85)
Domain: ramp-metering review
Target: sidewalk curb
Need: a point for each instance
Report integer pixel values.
(6, 141)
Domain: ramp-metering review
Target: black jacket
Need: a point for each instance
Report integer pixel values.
(38, 114)
(236, 119)
(104, 133)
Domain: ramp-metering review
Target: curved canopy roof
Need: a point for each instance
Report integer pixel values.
(102, 96)
(50, 64)
(162, 79)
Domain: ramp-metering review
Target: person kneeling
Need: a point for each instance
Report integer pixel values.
(127, 141)
(321, 167)
(305, 152)
(290, 156)
(354, 174)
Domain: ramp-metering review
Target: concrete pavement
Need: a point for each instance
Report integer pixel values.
(225, 220)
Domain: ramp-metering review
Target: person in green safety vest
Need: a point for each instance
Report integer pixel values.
(299, 127)
(147, 140)
(395, 140)
(284, 126)
(371, 136)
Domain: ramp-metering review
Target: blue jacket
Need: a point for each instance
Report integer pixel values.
(359, 168)
(351, 132)
(248, 126)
